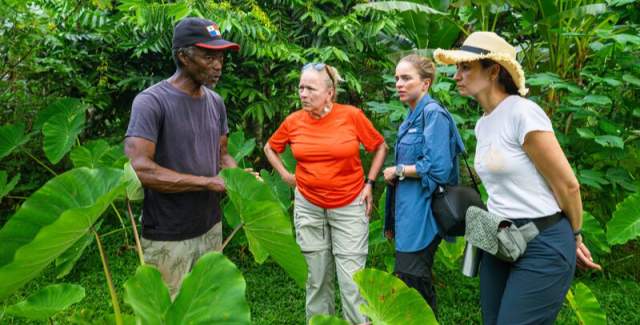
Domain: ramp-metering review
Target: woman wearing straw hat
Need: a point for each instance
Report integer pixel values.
(332, 198)
(426, 149)
(528, 179)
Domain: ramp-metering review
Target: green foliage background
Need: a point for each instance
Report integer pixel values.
(82, 62)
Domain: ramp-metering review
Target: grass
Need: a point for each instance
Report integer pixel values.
(275, 299)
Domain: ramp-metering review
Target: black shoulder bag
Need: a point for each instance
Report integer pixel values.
(449, 204)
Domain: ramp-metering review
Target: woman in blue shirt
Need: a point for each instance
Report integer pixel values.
(426, 155)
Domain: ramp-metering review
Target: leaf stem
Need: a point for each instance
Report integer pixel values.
(107, 274)
(135, 233)
(41, 163)
(126, 236)
(226, 241)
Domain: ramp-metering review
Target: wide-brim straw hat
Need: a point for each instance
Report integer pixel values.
(486, 45)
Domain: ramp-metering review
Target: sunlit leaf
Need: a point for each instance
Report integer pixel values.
(586, 306)
(625, 223)
(610, 141)
(51, 220)
(390, 301)
(212, 293)
(265, 222)
(65, 262)
(135, 191)
(631, 79)
(239, 147)
(327, 320)
(48, 301)
(449, 254)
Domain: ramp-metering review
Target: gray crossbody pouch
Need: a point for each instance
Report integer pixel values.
(497, 235)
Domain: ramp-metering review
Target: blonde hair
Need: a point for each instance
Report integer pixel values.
(425, 66)
(332, 76)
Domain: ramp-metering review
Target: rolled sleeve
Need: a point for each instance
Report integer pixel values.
(435, 165)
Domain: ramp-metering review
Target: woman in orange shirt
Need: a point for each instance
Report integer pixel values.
(332, 199)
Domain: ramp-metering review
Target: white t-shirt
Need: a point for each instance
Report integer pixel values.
(516, 189)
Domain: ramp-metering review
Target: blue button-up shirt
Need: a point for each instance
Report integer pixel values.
(428, 139)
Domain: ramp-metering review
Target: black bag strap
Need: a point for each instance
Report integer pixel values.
(473, 179)
(463, 153)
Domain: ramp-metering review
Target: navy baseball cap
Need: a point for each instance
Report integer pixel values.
(202, 33)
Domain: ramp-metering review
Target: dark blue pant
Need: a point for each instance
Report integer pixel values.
(531, 290)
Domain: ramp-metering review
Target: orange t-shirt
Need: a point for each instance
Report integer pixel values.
(329, 172)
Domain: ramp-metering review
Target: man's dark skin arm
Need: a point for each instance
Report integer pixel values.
(153, 176)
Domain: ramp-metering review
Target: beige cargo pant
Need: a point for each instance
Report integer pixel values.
(174, 259)
(332, 240)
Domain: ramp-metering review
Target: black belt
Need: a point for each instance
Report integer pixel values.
(548, 221)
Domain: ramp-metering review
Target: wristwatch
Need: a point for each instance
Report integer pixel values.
(400, 171)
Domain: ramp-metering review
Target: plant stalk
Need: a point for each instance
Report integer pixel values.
(135, 233)
(226, 241)
(40, 163)
(126, 236)
(107, 274)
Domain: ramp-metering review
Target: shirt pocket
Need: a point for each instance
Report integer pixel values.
(410, 148)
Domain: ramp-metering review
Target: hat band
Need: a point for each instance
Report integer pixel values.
(474, 49)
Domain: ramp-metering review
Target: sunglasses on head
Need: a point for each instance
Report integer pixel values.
(319, 66)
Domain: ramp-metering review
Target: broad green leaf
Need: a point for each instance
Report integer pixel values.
(60, 133)
(279, 188)
(239, 147)
(592, 178)
(68, 259)
(327, 320)
(390, 301)
(621, 177)
(48, 301)
(266, 225)
(376, 233)
(625, 223)
(12, 136)
(547, 79)
(94, 319)
(586, 306)
(585, 133)
(449, 254)
(135, 192)
(51, 220)
(610, 141)
(58, 106)
(597, 100)
(631, 79)
(594, 235)
(96, 154)
(213, 293)
(147, 295)
(288, 160)
(6, 187)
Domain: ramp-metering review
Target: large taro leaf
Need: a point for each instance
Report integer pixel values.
(60, 133)
(65, 262)
(280, 189)
(51, 220)
(135, 192)
(12, 136)
(625, 223)
(390, 301)
(327, 320)
(266, 225)
(593, 234)
(147, 295)
(6, 187)
(239, 147)
(48, 301)
(57, 106)
(96, 154)
(213, 293)
(586, 306)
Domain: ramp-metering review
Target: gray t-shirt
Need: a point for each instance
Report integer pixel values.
(187, 133)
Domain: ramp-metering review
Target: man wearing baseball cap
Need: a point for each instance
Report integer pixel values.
(177, 143)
